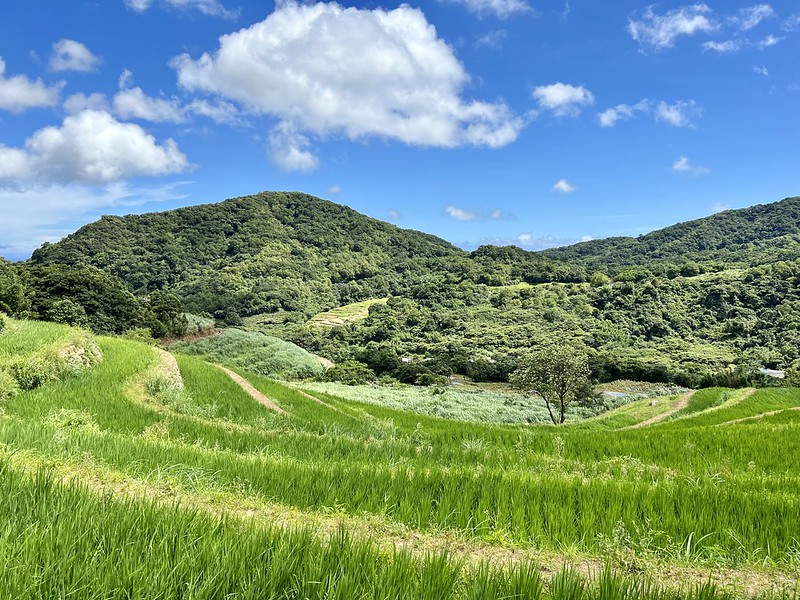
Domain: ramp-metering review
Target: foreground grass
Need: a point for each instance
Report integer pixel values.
(694, 491)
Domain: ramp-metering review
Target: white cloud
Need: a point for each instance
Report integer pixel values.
(726, 47)
(138, 6)
(682, 165)
(792, 23)
(91, 147)
(622, 112)
(335, 189)
(459, 214)
(328, 70)
(562, 99)
(502, 9)
(394, 215)
(587, 238)
(135, 104)
(718, 207)
(563, 186)
(219, 111)
(658, 32)
(493, 39)
(69, 55)
(761, 70)
(212, 8)
(750, 17)
(18, 93)
(678, 114)
(769, 41)
(36, 213)
(289, 148)
(79, 102)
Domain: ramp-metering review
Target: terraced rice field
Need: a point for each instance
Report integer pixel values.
(134, 480)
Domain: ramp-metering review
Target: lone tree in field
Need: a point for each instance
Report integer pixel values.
(559, 375)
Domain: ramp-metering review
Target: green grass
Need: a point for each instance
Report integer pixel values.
(684, 492)
(256, 352)
(345, 314)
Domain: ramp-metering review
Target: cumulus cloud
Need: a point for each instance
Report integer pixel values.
(622, 112)
(325, 70)
(18, 93)
(562, 99)
(563, 186)
(659, 31)
(749, 17)
(678, 114)
(79, 102)
(682, 165)
(289, 148)
(501, 9)
(69, 55)
(90, 147)
(135, 104)
(212, 8)
(792, 23)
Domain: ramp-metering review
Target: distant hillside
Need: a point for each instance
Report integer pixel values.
(271, 251)
(761, 234)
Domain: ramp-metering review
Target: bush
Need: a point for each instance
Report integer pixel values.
(350, 372)
(8, 386)
(35, 371)
(142, 335)
(2, 323)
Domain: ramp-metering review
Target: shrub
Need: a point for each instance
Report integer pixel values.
(350, 372)
(8, 386)
(142, 335)
(33, 372)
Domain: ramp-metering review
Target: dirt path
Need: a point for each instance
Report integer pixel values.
(305, 394)
(253, 392)
(756, 417)
(678, 404)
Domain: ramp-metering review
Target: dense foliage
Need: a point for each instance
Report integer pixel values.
(703, 302)
(751, 236)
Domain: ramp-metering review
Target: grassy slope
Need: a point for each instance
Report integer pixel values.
(540, 492)
(349, 313)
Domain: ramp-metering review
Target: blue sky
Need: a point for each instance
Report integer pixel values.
(481, 121)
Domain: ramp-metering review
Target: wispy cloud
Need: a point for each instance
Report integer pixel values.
(461, 214)
(502, 9)
(682, 165)
(654, 31)
(761, 70)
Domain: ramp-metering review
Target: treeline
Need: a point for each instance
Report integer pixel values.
(87, 297)
(761, 234)
(710, 330)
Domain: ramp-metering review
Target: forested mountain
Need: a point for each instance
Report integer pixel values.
(761, 234)
(694, 303)
(276, 252)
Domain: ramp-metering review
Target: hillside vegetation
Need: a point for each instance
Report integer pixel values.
(761, 234)
(709, 302)
(178, 484)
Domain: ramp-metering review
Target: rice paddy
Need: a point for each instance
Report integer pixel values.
(112, 487)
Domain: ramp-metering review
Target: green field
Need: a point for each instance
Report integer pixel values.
(117, 484)
(345, 314)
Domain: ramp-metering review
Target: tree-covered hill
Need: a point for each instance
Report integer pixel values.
(761, 234)
(273, 251)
